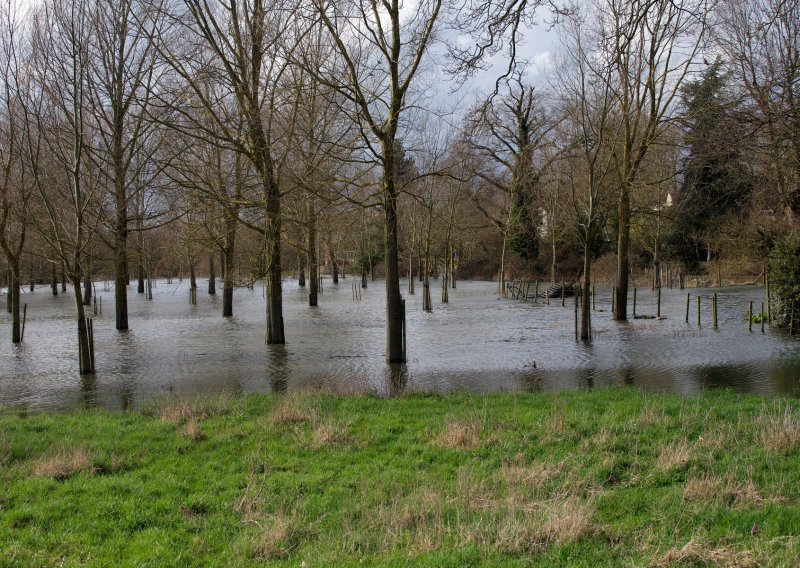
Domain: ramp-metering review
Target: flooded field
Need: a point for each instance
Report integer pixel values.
(477, 343)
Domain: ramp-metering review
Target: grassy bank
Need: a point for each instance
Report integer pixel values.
(610, 476)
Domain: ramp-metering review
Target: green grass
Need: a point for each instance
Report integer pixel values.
(603, 477)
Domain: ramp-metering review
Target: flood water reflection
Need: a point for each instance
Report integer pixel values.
(477, 343)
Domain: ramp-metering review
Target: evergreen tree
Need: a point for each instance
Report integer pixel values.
(716, 181)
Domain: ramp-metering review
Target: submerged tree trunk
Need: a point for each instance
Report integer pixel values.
(586, 307)
(121, 255)
(53, 279)
(301, 277)
(84, 349)
(334, 263)
(192, 274)
(623, 247)
(14, 291)
(395, 316)
(427, 305)
(140, 277)
(212, 278)
(311, 249)
(410, 273)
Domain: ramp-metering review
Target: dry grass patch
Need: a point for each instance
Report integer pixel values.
(695, 553)
(532, 478)
(328, 431)
(651, 415)
(460, 434)
(568, 521)
(192, 431)
(779, 432)
(729, 491)
(63, 464)
(701, 488)
(675, 455)
(292, 409)
(278, 538)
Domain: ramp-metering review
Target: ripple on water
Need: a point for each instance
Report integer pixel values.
(476, 343)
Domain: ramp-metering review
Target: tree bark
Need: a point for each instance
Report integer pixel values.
(311, 250)
(14, 291)
(586, 306)
(212, 278)
(394, 300)
(623, 248)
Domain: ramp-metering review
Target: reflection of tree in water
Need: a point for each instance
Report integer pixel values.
(586, 378)
(398, 378)
(278, 368)
(739, 377)
(626, 376)
(89, 390)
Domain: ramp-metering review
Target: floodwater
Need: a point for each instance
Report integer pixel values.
(477, 343)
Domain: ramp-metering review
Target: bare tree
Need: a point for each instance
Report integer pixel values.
(761, 40)
(121, 77)
(645, 49)
(378, 55)
(589, 134)
(55, 103)
(237, 45)
(15, 188)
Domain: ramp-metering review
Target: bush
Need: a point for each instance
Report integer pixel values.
(784, 278)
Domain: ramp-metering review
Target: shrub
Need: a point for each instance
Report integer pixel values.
(784, 277)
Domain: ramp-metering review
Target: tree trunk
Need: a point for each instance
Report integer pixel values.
(394, 300)
(84, 351)
(87, 284)
(501, 277)
(427, 305)
(410, 273)
(301, 278)
(275, 331)
(63, 280)
(446, 275)
(140, 277)
(192, 275)
(586, 306)
(120, 252)
(14, 292)
(311, 249)
(212, 278)
(623, 264)
(53, 279)
(334, 264)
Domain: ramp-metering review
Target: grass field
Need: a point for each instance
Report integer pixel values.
(603, 477)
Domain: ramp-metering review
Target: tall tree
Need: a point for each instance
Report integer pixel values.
(378, 55)
(120, 79)
(238, 45)
(716, 179)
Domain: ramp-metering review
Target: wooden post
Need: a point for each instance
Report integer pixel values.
(24, 317)
(698, 311)
(91, 342)
(688, 298)
(762, 317)
(634, 302)
(563, 295)
(750, 317)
